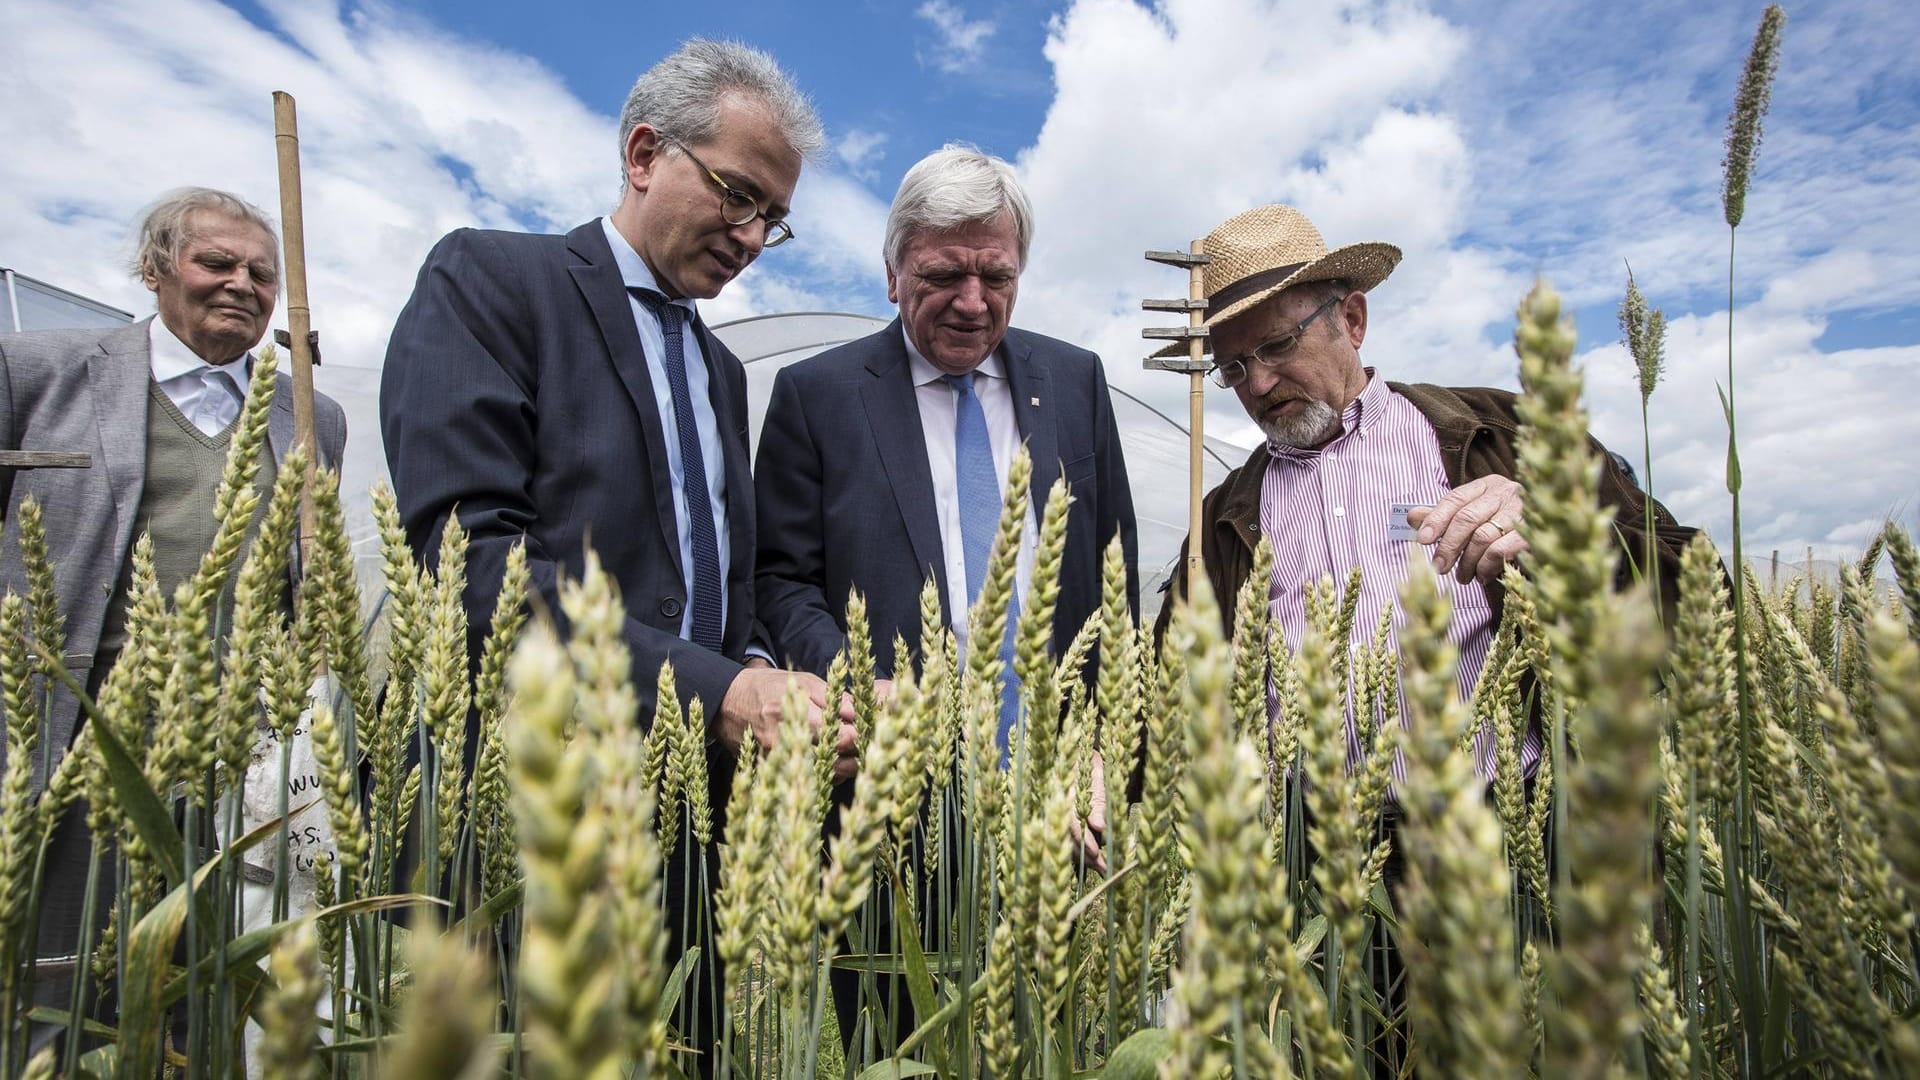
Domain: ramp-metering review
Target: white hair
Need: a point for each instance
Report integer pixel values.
(680, 97)
(953, 186)
(166, 226)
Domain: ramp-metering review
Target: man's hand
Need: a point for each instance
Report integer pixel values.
(754, 703)
(1472, 529)
(1086, 847)
(1087, 840)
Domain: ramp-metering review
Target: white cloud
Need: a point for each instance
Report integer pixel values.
(1820, 450)
(860, 150)
(406, 133)
(1492, 152)
(962, 40)
(1489, 147)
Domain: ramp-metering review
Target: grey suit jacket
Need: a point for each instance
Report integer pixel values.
(86, 391)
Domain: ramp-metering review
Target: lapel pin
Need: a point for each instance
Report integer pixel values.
(1035, 401)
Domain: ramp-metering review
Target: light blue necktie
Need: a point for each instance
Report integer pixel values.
(979, 497)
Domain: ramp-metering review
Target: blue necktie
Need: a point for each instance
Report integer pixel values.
(979, 497)
(704, 598)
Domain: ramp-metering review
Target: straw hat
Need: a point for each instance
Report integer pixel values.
(1258, 253)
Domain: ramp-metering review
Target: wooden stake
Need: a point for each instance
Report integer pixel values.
(1196, 415)
(1195, 366)
(293, 234)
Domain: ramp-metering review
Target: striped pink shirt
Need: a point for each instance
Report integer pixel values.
(1326, 511)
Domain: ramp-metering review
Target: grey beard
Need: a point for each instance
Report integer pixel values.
(1313, 425)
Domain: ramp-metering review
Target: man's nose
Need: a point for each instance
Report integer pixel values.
(752, 237)
(1260, 379)
(970, 295)
(239, 281)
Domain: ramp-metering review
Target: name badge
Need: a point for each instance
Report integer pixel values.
(1397, 526)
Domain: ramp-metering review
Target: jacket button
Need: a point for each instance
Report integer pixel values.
(670, 607)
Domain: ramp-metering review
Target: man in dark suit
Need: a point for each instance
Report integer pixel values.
(562, 390)
(871, 450)
(882, 462)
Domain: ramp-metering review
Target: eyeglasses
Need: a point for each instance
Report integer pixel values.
(1272, 353)
(736, 206)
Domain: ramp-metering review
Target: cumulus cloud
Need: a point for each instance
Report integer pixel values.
(1491, 151)
(860, 150)
(962, 41)
(406, 133)
(1491, 142)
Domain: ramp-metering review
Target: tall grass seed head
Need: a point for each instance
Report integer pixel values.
(1750, 103)
(1645, 332)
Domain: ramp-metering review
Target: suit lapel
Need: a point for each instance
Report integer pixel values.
(118, 374)
(728, 415)
(597, 277)
(1033, 410)
(893, 413)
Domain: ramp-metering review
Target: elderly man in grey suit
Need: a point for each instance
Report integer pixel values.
(155, 405)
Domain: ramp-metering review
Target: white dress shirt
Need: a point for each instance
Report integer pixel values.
(937, 399)
(634, 272)
(210, 396)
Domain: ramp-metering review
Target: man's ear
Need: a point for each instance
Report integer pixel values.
(893, 285)
(643, 152)
(1353, 317)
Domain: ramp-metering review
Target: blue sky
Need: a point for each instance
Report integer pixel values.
(1491, 140)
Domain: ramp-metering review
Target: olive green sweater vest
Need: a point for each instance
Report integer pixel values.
(176, 507)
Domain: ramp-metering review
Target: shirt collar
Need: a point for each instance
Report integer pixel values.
(1360, 415)
(924, 372)
(171, 358)
(633, 269)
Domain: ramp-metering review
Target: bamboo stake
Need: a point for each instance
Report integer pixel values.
(1195, 366)
(299, 319)
(1196, 408)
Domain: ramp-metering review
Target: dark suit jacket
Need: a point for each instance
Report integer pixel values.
(516, 390)
(846, 498)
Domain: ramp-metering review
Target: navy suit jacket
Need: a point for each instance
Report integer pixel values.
(516, 390)
(846, 497)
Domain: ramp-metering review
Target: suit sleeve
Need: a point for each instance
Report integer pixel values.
(458, 410)
(7, 433)
(1116, 491)
(330, 423)
(790, 580)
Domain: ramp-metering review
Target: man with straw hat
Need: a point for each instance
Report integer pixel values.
(1354, 466)
(1356, 470)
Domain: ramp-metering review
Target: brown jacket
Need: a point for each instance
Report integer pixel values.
(1476, 427)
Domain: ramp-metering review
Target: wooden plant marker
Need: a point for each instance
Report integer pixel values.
(1196, 366)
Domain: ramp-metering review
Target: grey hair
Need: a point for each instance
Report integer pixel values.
(1319, 292)
(953, 186)
(165, 226)
(680, 97)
